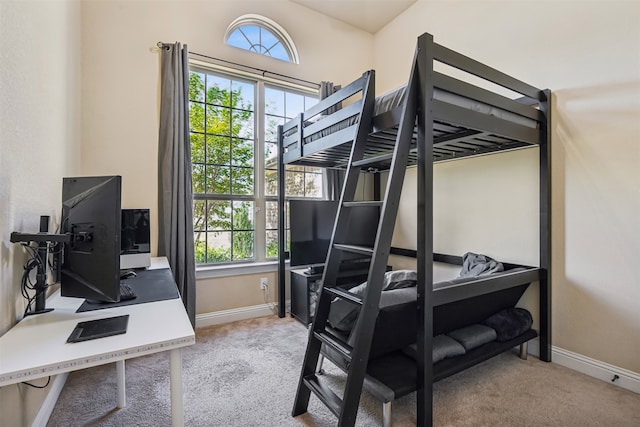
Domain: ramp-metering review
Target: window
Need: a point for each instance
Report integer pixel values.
(261, 35)
(300, 181)
(234, 159)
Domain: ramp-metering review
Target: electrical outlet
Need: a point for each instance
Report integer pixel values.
(264, 282)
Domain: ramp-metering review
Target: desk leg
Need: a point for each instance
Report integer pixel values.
(122, 393)
(177, 410)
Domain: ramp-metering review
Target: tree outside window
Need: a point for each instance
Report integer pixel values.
(224, 146)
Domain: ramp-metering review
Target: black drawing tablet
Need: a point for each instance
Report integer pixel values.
(99, 328)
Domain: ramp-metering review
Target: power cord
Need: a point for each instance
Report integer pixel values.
(26, 283)
(38, 386)
(267, 299)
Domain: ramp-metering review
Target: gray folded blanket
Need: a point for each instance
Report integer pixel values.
(478, 265)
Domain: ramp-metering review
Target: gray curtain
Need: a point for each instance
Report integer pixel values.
(328, 89)
(175, 196)
(334, 177)
(333, 183)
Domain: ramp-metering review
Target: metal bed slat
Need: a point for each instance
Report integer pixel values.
(289, 125)
(336, 138)
(460, 136)
(288, 141)
(443, 150)
(446, 127)
(341, 95)
(333, 119)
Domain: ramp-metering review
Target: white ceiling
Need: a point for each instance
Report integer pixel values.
(368, 15)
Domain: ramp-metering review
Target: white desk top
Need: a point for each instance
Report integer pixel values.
(37, 347)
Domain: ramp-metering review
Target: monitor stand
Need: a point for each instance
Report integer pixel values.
(43, 238)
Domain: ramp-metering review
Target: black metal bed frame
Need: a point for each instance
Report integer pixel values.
(442, 131)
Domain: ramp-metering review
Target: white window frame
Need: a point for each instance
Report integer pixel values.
(269, 25)
(260, 263)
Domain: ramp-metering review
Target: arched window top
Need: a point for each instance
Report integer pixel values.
(261, 35)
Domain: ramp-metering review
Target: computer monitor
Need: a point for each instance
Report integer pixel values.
(312, 224)
(91, 260)
(135, 239)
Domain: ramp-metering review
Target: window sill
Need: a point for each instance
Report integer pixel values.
(210, 272)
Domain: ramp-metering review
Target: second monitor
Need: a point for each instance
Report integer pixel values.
(135, 239)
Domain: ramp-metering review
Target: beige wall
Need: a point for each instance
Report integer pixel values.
(588, 55)
(232, 292)
(39, 144)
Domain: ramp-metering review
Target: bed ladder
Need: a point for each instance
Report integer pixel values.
(357, 356)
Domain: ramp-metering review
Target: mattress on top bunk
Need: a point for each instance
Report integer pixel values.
(392, 99)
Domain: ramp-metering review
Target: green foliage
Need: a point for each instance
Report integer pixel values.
(221, 125)
(243, 236)
(214, 254)
(221, 121)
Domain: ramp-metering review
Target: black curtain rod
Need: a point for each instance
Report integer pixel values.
(162, 45)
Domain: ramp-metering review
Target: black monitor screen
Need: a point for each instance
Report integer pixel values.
(312, 224)
(135, 237)
(91, 215)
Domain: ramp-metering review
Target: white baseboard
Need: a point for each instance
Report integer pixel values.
(57, 384)
(626, 379)
(235, 314)
(603, 371)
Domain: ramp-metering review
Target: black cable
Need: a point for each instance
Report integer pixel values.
(38, 386)
(26, 284)
(56, 249)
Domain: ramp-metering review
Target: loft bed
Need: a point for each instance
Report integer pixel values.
(454, 119)
(467, 121)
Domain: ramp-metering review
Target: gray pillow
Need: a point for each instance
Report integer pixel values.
(343, 314)
(510, 322)
(392, 280)
(473, 336)
(443, 347)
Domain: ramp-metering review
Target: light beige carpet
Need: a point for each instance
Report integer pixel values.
(246, 373)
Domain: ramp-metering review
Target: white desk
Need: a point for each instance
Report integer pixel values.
(36, 347)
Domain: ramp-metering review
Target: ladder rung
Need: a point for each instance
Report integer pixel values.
(324, 393)
(355, 249)
(340, 293)
(373, 160)
(363, 203)
(337, 344)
